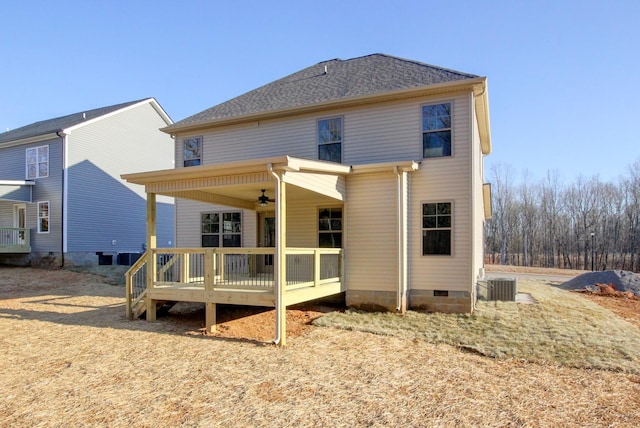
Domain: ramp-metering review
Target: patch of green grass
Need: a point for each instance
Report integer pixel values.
(562, 328)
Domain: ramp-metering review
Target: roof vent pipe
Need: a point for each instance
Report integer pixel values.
(325, 69)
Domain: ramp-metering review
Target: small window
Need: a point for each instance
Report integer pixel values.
(37, 162)
(221, 229)
(330, 139)
(436, 228)
(43, 217)
(192, 151)
(436, 130)
(330, 228)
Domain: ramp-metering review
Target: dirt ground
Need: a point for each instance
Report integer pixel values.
(71, 358)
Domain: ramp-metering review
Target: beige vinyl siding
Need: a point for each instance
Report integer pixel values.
(371, 223)
(302, 223)
(188, 232)
(294, 137)
(478, 201)
(371, 134)
(445, 179)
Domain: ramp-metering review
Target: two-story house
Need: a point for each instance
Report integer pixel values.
(365, 176)
(62, 201)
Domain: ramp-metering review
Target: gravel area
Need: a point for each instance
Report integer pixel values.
(620, 279)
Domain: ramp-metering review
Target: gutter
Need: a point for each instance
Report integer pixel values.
(401, 303)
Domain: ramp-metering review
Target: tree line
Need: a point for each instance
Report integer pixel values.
(587, 224)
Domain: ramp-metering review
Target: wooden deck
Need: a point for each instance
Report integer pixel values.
(239, 276)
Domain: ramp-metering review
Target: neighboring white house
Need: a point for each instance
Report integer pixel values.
(61, 197)
(379, 156)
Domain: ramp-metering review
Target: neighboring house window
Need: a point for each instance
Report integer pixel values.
(436, 130)
(221, 229)
(330, 228)
(38, 162)
(330, 139)
(192, 151)
(436, 228)
(43, 217)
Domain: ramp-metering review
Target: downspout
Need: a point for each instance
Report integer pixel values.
(400, 237)
(278, 259)
(63, 229)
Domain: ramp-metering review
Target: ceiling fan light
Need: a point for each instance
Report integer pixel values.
(263, 199)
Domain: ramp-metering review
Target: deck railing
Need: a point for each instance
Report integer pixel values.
(234, 269)
(15, 240)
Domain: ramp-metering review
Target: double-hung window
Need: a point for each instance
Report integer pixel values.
(330, 139)
(436, 130)
(43, 217)
(37, 162)
(436, 228)
(330, 228)
(221, 229)
(192, 151)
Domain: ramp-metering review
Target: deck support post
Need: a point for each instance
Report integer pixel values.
(151, 255)
(209, 276)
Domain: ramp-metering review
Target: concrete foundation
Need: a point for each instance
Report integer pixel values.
(426, 300)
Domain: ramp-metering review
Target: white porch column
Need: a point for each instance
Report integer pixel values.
(281, 250)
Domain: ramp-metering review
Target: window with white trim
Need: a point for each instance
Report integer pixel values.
(192, 151)
(43, 217)
(221, 229)
(436, 228)
(330, 228)
(37, 162)
(436, 130)
(330, 139)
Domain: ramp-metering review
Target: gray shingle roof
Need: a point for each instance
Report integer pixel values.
(363, 76)
(60, 123)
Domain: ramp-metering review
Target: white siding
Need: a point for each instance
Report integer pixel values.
(102, 208)
(371, 225)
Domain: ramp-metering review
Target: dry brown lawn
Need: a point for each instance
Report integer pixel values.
(70, 358)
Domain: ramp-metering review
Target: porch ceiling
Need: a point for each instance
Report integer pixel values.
(239, 184)
(16, 190)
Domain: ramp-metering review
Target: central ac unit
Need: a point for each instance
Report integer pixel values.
(502, 289)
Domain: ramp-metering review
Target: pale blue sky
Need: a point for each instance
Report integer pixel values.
(563, 75)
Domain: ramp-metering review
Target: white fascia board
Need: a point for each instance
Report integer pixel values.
(29, 140)
(153, 102)
(402, 166)
(17, 183)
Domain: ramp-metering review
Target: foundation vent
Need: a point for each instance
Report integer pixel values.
(502, 289)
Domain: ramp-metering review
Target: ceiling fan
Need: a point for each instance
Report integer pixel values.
(263, 199)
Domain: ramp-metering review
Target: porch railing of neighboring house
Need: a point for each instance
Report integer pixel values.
(15, 240)
(230, 269)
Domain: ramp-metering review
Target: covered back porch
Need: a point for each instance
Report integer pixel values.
(275, 276)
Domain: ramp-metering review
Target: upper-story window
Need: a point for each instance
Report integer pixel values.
(192, 151)
(436, 130)
(330, 139)
(37, 162)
